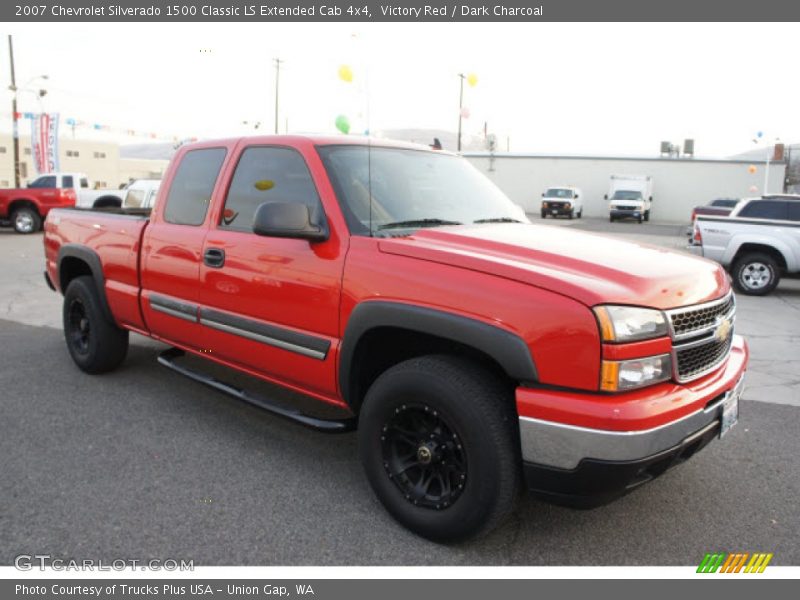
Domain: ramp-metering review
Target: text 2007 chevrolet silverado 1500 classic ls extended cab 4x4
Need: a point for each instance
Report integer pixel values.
(471, 349)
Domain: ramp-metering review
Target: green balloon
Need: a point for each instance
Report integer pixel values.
(343, 124)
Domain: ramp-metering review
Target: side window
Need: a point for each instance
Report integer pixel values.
(134, 199)
(48, 181)
(266, 174)
(794, 211)
(190, 192)
(765, 209)
(84, 183)
(67, 181)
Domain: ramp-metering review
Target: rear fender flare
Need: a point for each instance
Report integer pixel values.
(92, 259)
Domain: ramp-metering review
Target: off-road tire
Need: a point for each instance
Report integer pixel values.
(479, 423)
(94, 342)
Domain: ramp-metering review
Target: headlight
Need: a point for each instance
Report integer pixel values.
(544, 204)
(618, 376)
(629, 323)
(568, 205)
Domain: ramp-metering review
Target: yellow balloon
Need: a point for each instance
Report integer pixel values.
(752, 169)
(264, 185)
(472, 79)
(345, 73)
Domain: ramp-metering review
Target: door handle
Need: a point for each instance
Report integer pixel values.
(214, 257)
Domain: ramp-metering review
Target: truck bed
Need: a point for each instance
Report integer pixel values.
(114, 237)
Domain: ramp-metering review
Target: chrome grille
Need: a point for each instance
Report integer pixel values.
(694, 319)
(626, 207)
(697, 360)
(701, 336)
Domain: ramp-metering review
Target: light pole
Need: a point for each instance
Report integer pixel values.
(461, 78)
(14, 114)
(278, 62)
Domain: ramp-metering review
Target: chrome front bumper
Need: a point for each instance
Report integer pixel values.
(562, 446)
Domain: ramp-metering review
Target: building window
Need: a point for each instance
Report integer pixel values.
(4, 183)
(27, 151)
(73, 153)
(23, 170)
(99, 154)
(2, 149)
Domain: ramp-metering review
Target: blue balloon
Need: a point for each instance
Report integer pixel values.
(760, 134)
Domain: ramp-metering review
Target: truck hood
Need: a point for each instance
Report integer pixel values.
(591, 268)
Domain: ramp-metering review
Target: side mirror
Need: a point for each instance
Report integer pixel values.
(287, 220)
(577, 196)
(605, 197)
(651, 198)
(542, 194)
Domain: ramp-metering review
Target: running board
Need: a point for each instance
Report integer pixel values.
(168, 359)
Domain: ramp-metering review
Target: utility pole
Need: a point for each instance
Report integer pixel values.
(14, 114)
(461, 77)
(278, 62)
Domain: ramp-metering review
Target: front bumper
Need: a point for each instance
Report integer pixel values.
(557, 209)
(632, 214)
(586, 449)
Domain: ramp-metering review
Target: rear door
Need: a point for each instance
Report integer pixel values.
(271, 304)
(172, 247)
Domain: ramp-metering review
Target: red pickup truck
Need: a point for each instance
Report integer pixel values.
(26, 208)
(472, 350)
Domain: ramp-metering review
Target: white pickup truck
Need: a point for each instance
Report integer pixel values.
(86, 196)
(759, 242)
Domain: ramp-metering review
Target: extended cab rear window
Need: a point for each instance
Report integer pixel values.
(190, 192)
(765, 209)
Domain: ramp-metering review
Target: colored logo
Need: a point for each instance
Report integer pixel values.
(735, 562)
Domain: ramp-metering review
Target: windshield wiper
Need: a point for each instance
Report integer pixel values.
(498, 220)
(417, 223)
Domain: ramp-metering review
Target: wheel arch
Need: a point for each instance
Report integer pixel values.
(74, 261)
(23, 202)
(770, 249)
(380, 334)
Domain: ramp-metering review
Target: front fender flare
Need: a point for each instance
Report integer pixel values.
(506, 348)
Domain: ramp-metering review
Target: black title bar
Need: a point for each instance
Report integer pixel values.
(388, 11)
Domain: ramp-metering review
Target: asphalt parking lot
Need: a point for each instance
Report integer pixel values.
(142, 463)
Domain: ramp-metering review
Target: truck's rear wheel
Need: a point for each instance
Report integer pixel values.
(647, 215)
(756, 274)
(26, 220)
(96, 344)
(439, 441)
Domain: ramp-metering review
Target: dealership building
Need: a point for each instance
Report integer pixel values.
(100, 161)
(679, 184)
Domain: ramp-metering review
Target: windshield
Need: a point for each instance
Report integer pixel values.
(626, 195)
(558, 193)
(411, 189)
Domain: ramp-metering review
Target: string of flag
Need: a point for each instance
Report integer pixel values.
(102, 127)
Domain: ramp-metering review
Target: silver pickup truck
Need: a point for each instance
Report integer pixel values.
(759, 242)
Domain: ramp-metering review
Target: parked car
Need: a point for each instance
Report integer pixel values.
(25, 208)
(720, 207)
(472, 350)
(630, 197)
(759, 242)
(562, 201)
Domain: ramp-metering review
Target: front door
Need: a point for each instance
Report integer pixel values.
(271, 304)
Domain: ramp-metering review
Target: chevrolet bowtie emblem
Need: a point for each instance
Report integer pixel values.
(723, 330)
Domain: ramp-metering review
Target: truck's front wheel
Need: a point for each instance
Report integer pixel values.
(439, 441)
(96, 344)
(756, 274)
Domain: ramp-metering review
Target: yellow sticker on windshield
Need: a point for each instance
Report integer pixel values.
(264, 185)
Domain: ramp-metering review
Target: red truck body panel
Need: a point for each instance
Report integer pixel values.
(535, 282)
(44, 199)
